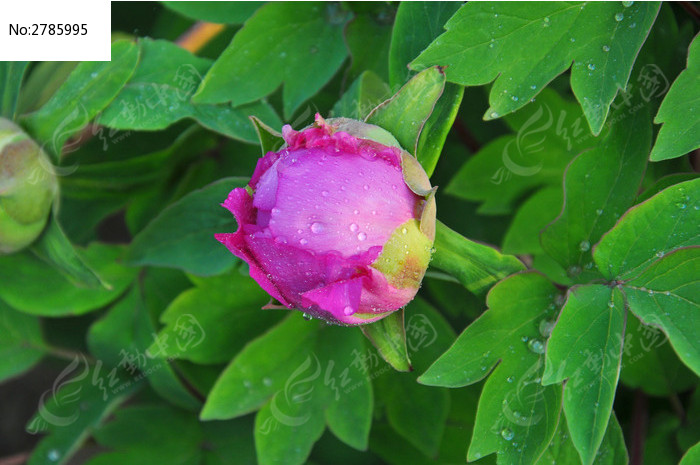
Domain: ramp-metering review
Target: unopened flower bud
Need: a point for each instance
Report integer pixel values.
(27, 188)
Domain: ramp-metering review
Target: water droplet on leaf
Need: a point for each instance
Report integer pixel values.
(536, 346)
(507, 434)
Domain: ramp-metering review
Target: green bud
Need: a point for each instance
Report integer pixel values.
(28, 186)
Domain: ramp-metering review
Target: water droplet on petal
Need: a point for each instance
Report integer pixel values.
(324, 193)
(348, 310)
(354, 227)
(317, 228)
(366, 187)
(303, 241)
(361, 236)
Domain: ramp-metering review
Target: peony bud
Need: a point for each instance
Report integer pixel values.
(27, 188)
(338, 224)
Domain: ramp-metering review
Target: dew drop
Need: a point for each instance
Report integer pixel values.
(354, 227)
(247, 384)
(404, 231)
(524, 338)
(584, 246)
(267, 382)
(510, 379)
(546, 327)
(574, 271)
(606, 48)
(619, 17)
(533, 87)
(53, 455)
(546, 21)
(307, 317)
(324, 193)
(627, 4)
(494, 114)
(93, 75)
(599, 212)
(682, 206)
(348, 310)
(660, 253)
(611, 304)
(507, 434)
(356, 212)
(366, 187)
(361, 236)
(536, 346)
(591, 66)
(317, 228)
(514, 98)
(303, 241)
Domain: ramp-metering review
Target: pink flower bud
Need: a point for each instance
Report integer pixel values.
(338, 224)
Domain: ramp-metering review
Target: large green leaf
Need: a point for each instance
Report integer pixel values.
(232, 299)
(32, 287)
(599, 186)
(331, 386)
(680, 132)
(121, 339)
(586, 347)
(21, 345)
(549, 133)
(182, 236)
(691, 456)
(82, 398)
(215, 12)
(667, 295)
(484, 41)
(158, 95)
(646, 350)
(418, 413)
(11, 74)
(405, 114)
(54, 247)
(531, 218)
(649, 230)
(375, 28)
(517, 416)
(91, 87)
(562, 451)
(415, 26)
(476, 266)
(298, 44)
(364, 94)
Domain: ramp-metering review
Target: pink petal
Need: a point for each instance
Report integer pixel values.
(340, 299)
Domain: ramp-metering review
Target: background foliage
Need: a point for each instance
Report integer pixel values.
(559, 321)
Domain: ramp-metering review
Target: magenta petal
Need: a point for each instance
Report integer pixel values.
(266, 190)
(340, 299)
(263, 165)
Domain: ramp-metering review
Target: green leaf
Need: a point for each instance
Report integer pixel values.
(586, 347)
(476, 266)
(215, 12)
(484, 42)
(666, 295)
(405, 114)
(230, 297)
(182, 235)
(372, 28)
(517, 416)
(435, 130)
(680, 133)
(550, 132)
(364, 94)
(599, 186)
(650, 230)
(416, 412)
(300, 44)
(646, 350)
(31, 287)
(158, 95)
(89, 89)
(612, 449)
(42, 82)
(11, 74)
(21, 346)
(691, 456)
(331, 384)
(270, 139)
(54, 248)
(74, 409)
(261, 369)
(121, 338)
(388, 335)
(531, 218)
(415, 26)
